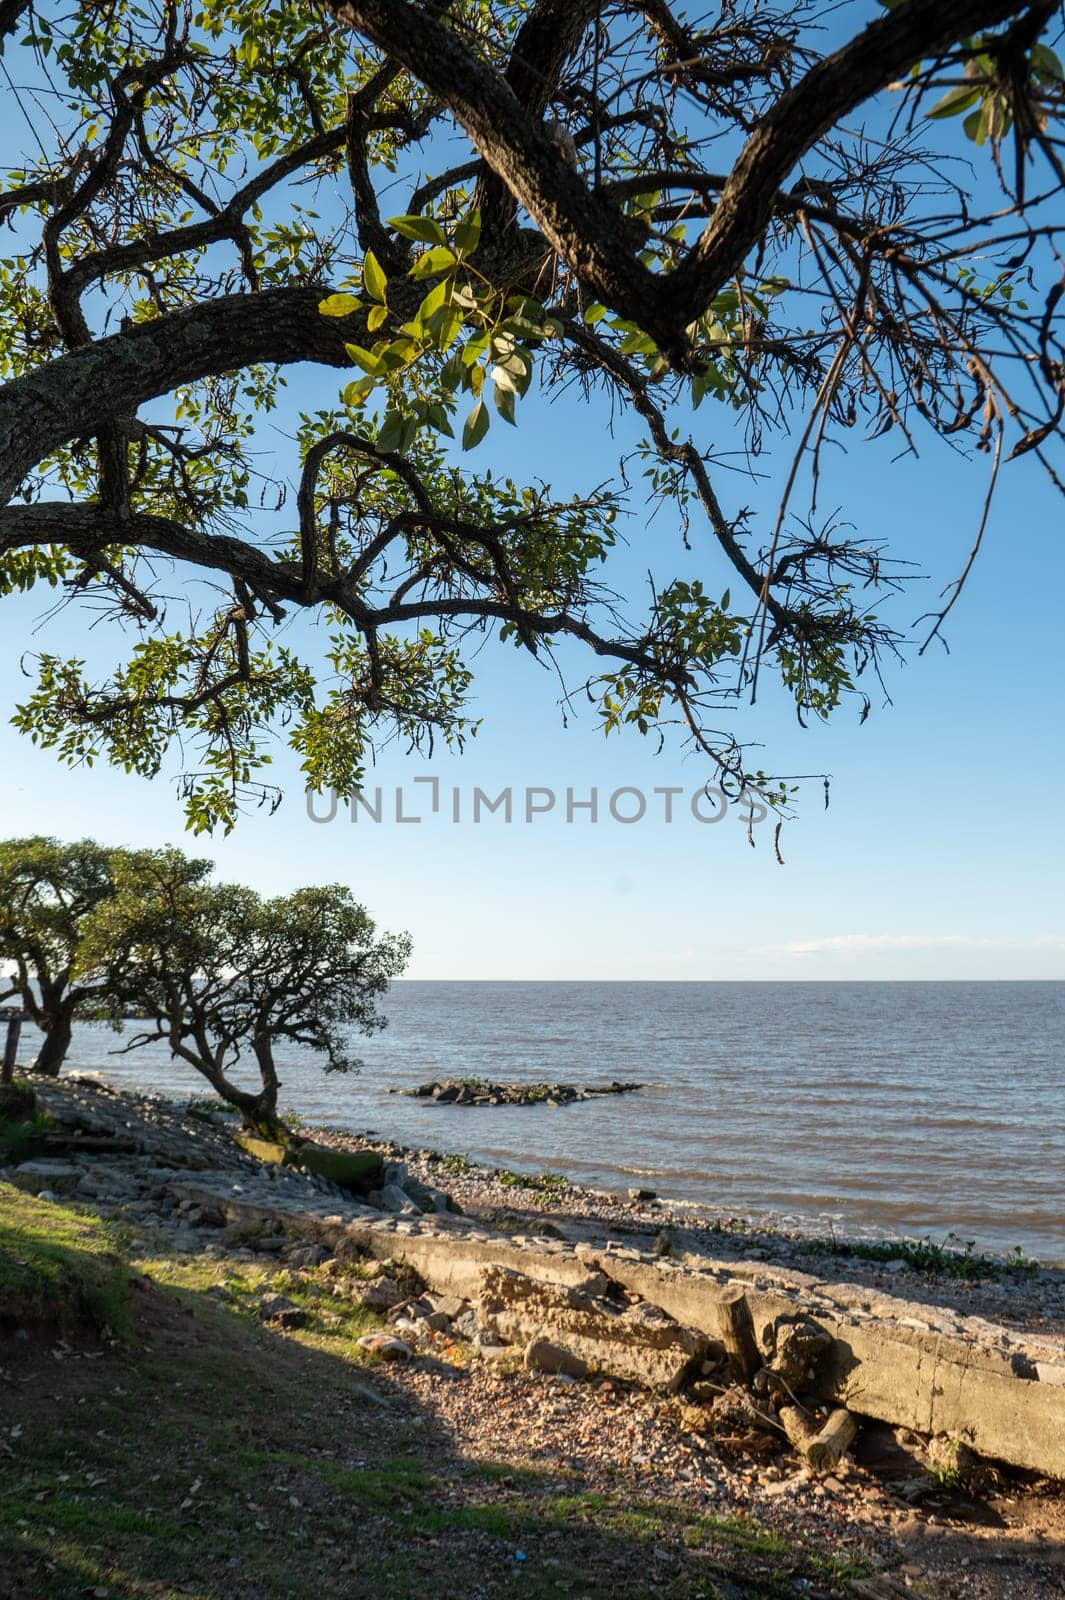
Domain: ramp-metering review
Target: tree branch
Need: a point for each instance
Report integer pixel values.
(596, 242)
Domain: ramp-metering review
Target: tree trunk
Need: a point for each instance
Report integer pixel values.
(58, 1027)
(263, 1108)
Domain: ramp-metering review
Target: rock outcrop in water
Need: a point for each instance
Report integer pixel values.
(479, 1092)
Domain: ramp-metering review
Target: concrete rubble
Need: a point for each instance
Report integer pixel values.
(606, 1306)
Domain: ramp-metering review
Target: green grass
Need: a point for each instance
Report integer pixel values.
(542, 1182)
(23, 1137)
(953, 1258)
(213, 1457)
(20, 1141)
(59, 1266)
(458, 1166)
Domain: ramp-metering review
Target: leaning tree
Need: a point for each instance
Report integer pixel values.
(757, 229)
(223, 977)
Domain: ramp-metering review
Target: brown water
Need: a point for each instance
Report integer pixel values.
(914, 1108)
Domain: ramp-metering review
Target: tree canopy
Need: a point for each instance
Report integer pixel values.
(96, 933)
(758, 229)
(48, 891)
(221, 975)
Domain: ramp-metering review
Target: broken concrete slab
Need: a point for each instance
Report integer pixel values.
(638, 1343)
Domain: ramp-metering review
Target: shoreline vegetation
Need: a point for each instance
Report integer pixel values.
(319, 1425)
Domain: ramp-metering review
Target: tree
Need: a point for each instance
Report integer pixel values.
(762, 211)
(222, 975)
(47, 890)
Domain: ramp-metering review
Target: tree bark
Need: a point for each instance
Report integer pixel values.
(58, 1028)
(14, 1028)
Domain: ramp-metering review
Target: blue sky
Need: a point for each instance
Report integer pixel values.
(939, 856)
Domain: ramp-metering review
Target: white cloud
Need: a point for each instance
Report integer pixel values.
(864, 943)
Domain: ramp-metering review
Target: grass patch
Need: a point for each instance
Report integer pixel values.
(22, 1126)
(458, 1166)
(58, 1265)
(22, 1140)
(953, 1258)
(542, 1182)
(214, 1457)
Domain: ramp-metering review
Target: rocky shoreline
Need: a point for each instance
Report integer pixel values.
(467, 1265)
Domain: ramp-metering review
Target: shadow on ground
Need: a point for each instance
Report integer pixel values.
(204, 1456)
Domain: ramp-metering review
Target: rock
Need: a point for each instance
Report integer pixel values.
(642, 1194)
(238, 1235)
(423, 1197)
(638, 1343)
(37, 1175)
(48, 1194)
(290, 1317)
(280, 1311)
(543, 1356)
(455, 1092)
(465, 1326)
(734, 1412)
(384, 1346)
(380, 1295)
(308, 1255)
(449, 1305)
(436, 1321)
(397, 1200)
(797, 1347)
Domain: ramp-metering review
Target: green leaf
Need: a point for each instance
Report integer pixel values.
(364, 358)
(433, 301)
(977, 124)
(441, 259)
(504, 402)
(424, 229)
(354, 393)
(1046, 63)
(476, 426)
(391, 432)
(451, 373)
(436, 416)
(594, 313)
(377, 318)
(446, 328)
(373, 278)
(339, 305)
(468, 234)
(954, 102)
